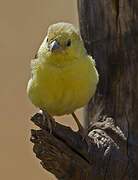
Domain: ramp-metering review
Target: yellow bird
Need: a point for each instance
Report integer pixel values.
(64, 77)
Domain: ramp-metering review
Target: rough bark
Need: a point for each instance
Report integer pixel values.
(64, 154)
(110, 32)
(109, 29)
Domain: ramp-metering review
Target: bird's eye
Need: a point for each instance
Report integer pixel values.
(69, 42)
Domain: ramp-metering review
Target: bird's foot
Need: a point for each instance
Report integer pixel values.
(50, 121)
(84, 134)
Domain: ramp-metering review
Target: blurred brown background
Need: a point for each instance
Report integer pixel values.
(23, 25)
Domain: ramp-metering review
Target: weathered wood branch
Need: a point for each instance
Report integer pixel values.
(110, 30)
(64, 154)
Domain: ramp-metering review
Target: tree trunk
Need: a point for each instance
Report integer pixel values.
(110, 32)
(109, 29)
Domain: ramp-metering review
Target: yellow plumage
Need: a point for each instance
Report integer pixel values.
(64, 77)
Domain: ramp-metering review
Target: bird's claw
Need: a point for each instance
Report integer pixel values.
(51, 124)
(85, 137)
(50, 121)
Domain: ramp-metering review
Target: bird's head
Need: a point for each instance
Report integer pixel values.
(63, 41)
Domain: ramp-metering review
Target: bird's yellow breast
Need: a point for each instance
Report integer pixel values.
(62, 89)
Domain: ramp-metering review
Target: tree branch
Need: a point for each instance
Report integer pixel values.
(64, 154)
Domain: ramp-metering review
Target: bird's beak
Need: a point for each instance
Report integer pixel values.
(55, 47)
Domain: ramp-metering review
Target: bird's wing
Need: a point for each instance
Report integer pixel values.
(34, 66)
(93, 61)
